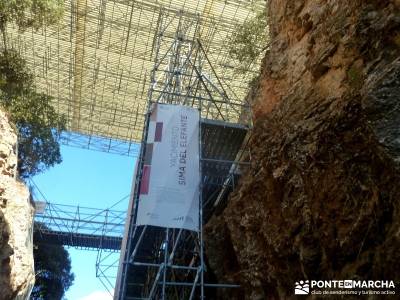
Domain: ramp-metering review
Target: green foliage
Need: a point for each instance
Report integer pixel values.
(250, 40)
(37, 121)
(52, 269)
(30, 13)
(15, 76)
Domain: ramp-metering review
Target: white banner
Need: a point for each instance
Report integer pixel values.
(169, 190)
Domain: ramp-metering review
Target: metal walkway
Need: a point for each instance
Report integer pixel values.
(79, 240)
(79, 227)
(83, 228)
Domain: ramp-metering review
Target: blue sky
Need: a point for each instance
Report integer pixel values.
(92, 179)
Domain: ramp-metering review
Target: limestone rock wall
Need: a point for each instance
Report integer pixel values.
(16, 222)
(321, 200)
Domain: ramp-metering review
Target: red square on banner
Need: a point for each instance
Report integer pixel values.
(144, 185)
(158, 134)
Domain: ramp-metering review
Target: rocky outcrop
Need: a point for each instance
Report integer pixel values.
(321, 200)
(16, 222)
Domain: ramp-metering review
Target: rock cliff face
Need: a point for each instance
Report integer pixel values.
(322, 197)
(16, 220)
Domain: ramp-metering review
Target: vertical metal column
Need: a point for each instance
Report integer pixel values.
(166, 244)
(201, 199)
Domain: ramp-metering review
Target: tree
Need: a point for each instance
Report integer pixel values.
(29, 13)
(37, 121)
(52, 269)
(250, 40)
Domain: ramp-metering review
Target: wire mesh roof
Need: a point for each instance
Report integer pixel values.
(96, 63)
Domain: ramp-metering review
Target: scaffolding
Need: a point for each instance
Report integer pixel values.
(83, 228)
(97, 62)
(166, 263)
(80, 227)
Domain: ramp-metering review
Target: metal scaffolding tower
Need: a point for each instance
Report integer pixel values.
(166, 263)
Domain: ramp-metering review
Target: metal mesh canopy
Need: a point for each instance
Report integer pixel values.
(97, 62)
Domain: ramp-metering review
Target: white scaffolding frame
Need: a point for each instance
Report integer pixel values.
(96, 62)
